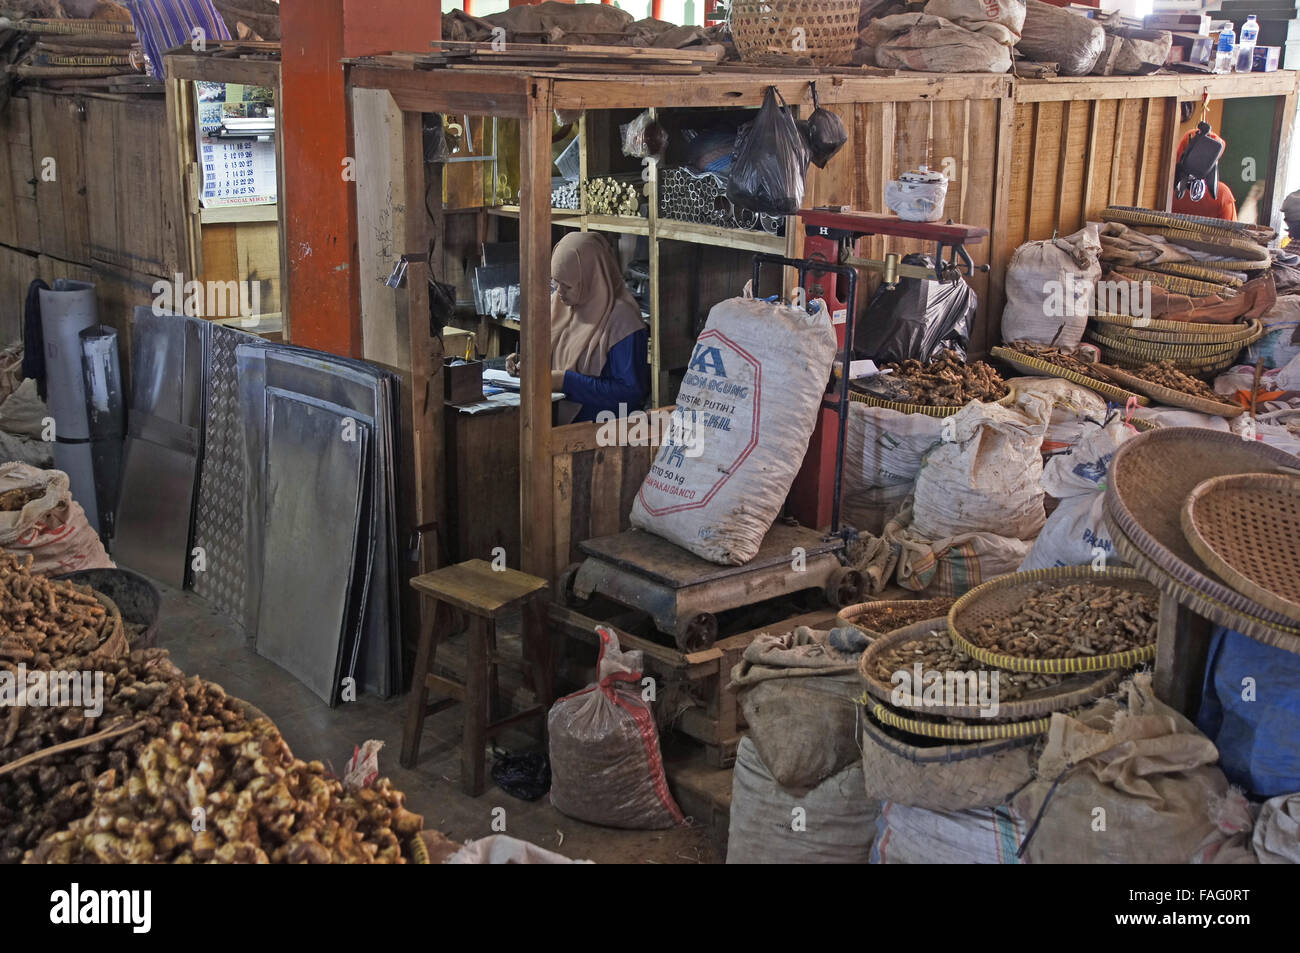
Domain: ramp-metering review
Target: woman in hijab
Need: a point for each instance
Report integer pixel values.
(598, 339)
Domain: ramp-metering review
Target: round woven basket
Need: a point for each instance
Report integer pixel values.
(943, 777)
(1153, 474)
(773, 32)
(1199, 600)
(1004, 595)
(1176, 398)
(982, 730)
(1073, 690)
(1246, 528)
(851, 615)
(1034, 366)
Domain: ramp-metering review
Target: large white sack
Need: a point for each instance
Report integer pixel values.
(1075, 408)
(1050, 287)
(884, 447)
(984, 475)
(1276, 838)
(1174, 417)
(1076, 532)
(834, 823)
(750, 396)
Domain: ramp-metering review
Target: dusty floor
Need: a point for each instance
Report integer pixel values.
(204, 642)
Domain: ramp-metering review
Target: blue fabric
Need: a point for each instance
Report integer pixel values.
(163, 25)
(1259, 740)
(625, 380)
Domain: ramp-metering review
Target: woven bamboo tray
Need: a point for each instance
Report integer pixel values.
(1003, 595)
(850, 615)
(1032, 365)
(764, 30)
(1146, 217)
(1176, 398)
(1198, 366)
(1285, 637)
(1179, 332)
(1073, 691)
(1152, 475)
(1157, 351)
(1239, 254)
(1178, 285)
(984, 730)
(926, 409)
(1246, 528)
(1197, 271)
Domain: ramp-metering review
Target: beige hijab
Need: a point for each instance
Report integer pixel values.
(603, 313)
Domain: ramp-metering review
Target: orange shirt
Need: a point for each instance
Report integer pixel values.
(1224, 206)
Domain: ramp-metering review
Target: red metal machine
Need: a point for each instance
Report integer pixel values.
(831, 236)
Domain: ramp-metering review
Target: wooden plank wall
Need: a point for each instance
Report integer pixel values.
(594, 486)
(104, 211)
(959, 137)
(1071, 159)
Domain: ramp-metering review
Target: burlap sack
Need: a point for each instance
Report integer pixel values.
(953, 777)
(931, 44)
(1056, 35)
(1050, 287)
(1135, 782)
(799, 697)
(832, 824)
(1001, 21)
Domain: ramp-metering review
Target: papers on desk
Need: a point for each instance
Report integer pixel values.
(499, 378)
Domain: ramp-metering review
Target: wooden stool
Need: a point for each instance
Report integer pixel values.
(483, 593)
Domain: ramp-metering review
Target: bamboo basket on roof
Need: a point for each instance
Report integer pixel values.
(782, 32)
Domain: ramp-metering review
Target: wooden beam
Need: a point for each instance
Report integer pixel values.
(212, 69)
(999, 252)
(1089, 160)
(536, 499)
(1140, 186)
(477, 93)
(1062, 160)
(1178, 85)
(1168, 149)
(424, 393)
(1283, 129)
(1115, 153)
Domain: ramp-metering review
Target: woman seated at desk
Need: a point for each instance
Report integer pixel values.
(598, 339)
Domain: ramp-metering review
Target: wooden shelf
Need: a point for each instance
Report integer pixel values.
(741, 238)
(233, 214)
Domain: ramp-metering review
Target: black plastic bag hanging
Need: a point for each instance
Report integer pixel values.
(769, 166)
(826, 133)
(917, 318)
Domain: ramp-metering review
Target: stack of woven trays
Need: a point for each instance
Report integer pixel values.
(1202, 349)
(1083, 678)
(1151, 479)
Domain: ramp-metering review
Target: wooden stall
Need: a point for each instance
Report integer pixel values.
(239, 243)
(1024, 158)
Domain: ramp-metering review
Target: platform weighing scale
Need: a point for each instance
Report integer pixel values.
(683, 593)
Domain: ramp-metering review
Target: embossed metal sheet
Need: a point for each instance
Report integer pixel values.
(220, 529)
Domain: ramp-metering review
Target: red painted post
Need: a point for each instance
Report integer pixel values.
(320, 205)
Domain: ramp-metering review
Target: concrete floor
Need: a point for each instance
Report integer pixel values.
(204, 642)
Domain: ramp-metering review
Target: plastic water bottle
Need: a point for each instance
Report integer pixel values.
(1224, 56)
(1246, 48)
